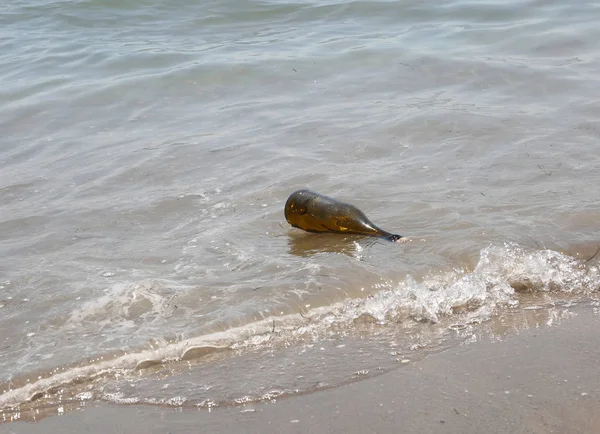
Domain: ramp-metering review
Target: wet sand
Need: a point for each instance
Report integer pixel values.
(538, 380)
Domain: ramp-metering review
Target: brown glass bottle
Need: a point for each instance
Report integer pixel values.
(314, 212)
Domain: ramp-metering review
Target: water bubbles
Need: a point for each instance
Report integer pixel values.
(207, 403)
(120, 398)
(84, 396)
(176, 401)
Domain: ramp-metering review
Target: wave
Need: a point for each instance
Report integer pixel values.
(456, 298)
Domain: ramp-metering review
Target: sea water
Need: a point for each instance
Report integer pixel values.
(147, 149)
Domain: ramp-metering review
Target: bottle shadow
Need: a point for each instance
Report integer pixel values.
(308, 244)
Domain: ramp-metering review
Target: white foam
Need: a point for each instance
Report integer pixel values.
(125, 301)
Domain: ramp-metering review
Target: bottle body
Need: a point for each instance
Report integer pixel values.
(314, 212)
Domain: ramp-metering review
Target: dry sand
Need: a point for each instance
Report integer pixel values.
(537, 380)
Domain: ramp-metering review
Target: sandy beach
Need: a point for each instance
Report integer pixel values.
(537, 380)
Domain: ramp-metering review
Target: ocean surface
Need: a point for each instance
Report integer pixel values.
(147, 149)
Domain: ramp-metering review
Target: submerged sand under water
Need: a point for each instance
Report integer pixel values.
(531, 371)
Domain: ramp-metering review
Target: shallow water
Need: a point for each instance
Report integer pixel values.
(148, 149)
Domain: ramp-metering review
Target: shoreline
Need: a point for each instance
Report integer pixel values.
(535, 380)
